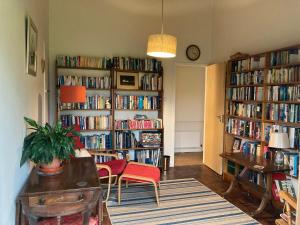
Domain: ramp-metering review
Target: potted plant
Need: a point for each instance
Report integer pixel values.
(48, 146)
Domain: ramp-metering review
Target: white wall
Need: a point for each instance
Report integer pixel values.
(19, 94)
(114, 27)
(189, 112)
(253, 26)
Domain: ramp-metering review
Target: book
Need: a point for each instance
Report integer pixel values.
(285, 185)
(87, 122)
(137, 102)
(243, 128)
(96, 141)
(99, 82)
(245, 93)
(245, 110)
(139, 124)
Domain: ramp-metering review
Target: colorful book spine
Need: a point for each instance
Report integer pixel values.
(139, 124)
(249, 78)
(283, 112)
(245, 93)
(283, 75)
(95, 102)
(103, 141)
(245, 110)
(88, 122)
(137, 102)
(243, 128)
(100, 82)
(151, 82)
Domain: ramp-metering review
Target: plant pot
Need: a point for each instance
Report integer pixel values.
(55, 167)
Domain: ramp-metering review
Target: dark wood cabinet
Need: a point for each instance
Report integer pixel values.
(76, 189)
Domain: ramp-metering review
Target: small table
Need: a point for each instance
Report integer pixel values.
(76, 189)
(250, 163)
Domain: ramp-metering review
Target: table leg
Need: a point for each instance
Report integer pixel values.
(266, 197)
(100, 209)
(235, 180)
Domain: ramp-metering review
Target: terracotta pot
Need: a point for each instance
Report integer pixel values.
(52, 168)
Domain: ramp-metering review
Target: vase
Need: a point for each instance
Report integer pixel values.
(53, 168)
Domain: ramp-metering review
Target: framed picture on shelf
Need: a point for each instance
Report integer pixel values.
(128, 81)
(31, 47)
(236, 145)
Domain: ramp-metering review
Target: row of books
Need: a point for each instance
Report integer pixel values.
(92, 103)
(129, 63)
(88, 122)
(283, 93)
(293, 134)
(245, 110)
(245, 93)
(240, 65)
(283, 112)
(255, 77)
(257, 62)
(125, 140)
(146, 156)
(256, 178)
(137, 102)
(283, 75)
(83, 61)
(99, 82)
(102, 141)
(243, 128)
(139, 124)
(151, 82)
(285, 57)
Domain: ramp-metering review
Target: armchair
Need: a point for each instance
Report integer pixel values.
(290, 203)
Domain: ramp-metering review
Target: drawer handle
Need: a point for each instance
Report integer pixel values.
(80, 199)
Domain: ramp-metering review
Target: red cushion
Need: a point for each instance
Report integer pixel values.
(117, 166)
(143, 171)
(75, 219)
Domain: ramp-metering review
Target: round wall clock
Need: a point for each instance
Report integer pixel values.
(193, 52)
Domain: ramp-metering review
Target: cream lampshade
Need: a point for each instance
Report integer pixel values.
(279, 140)
(162, 46)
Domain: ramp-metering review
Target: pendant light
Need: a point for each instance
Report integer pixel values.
(162, 45)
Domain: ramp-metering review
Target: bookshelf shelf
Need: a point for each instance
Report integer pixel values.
(273, 66)
(107, 140)
(244, 118)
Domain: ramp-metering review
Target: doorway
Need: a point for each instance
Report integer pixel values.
(189, 114)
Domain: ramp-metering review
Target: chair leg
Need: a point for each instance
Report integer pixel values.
(156, 193)
(119, 189)
(108, 188)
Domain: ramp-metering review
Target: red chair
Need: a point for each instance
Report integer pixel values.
(75, 219)
(110, 169)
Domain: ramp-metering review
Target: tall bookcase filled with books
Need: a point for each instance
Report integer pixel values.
(263, 96)
(124, 106)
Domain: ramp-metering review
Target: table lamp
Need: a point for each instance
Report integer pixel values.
(74, 94)
(279, 140)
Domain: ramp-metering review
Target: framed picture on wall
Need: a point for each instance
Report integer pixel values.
(236, 145)
(31, 47)
(128, 81)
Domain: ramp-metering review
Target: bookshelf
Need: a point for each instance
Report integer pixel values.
(107, 119)
(262, 95)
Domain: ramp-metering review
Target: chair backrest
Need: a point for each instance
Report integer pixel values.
(290, 203)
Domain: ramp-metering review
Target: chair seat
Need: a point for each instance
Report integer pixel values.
(117, 166)
(141, 171)
(75, 219)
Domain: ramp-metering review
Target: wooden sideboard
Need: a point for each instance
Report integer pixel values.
(76, 189)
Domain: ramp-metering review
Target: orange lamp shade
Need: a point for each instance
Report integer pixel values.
(72, 94)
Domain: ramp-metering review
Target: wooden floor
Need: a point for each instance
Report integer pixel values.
(188, 158)
(213, 181)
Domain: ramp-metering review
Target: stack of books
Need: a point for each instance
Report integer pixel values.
(139, 124)
(102, 141)
(256, 77)
(283, 93)
(249, 129)
(283, 112)
(245, 110)
(137, 102)
(145, 156)
(245, 93)
(151, 82)
(283, 75)
(128, 63)
(101, 82)
(83, 61)
(92, 103)
(125, 140)
(88, 122)
(151, 139)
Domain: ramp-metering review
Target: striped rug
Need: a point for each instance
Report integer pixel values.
(183, 201)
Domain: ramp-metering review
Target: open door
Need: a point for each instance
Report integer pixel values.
(214, 116)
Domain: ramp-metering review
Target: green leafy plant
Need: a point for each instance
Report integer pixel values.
(47, 142)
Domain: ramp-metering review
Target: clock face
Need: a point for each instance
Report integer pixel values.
(193, 52)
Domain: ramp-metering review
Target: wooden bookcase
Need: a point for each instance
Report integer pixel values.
(263, 65)
(114, 112)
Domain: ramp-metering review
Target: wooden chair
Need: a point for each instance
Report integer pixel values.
(290, 203)
(111, 169)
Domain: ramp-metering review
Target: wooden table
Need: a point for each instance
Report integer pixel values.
(76, 189)
(249, 162)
